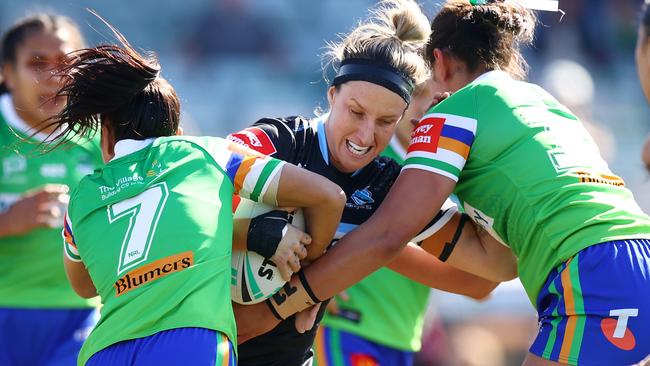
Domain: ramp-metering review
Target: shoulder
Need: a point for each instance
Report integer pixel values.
(278, 137)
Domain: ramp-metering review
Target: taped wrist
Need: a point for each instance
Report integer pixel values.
(294, 296)
(266, 231)
(442, 243)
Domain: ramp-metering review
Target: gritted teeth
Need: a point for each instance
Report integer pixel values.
(356, 149)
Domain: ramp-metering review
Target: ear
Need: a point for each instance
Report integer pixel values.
(7, 75)
(331, 94)
(441, 66)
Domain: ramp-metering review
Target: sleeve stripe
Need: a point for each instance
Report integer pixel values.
(438, 167)
(243, 172)
(233, 165)
(71, 254)
(68, 237)
(443, 156)
(457, 133)
(272, 168)
(456, 146)
(465, 123)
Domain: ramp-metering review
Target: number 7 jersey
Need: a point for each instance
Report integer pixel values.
(527, 171)
(154, 229)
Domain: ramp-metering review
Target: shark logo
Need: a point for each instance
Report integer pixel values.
(362, 197)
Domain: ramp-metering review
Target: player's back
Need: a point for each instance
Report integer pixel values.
(154, 229)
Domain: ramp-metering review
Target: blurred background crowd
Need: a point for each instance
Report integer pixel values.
(234, 61)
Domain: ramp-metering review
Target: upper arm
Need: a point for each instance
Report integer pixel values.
(74, 267)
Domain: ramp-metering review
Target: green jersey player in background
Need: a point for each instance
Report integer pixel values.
(524, 168)
(37, 304)
(151, 232)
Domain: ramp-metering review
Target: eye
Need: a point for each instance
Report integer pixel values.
(356, 113)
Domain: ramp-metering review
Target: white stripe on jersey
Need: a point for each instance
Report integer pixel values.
(465, 123)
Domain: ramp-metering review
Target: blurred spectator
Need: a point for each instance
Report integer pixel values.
(230, 29)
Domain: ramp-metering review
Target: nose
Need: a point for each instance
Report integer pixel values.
(366, 132)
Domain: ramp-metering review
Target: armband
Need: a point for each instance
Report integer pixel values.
(295, 296)
(442, 243)
(266, 231)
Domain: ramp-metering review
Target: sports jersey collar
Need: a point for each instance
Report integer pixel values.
(129, 146)
(322, 139)
(397, 147)
(14, 121)
(492, 75)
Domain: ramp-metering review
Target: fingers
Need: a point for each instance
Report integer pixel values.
(305, 319)
(294, 264)
(305, 239)
(301, 251)
(285, 270)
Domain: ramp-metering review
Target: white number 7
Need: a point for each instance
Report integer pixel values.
(144, 212)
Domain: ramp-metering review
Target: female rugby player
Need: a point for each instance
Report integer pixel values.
(380, 64)
(151, 232)
(37, 304)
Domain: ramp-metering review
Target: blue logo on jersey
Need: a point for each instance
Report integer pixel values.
(362, 197)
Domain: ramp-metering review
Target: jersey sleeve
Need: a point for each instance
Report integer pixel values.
(441, 144)
(269, 136)
(69, 244)
(251, 173)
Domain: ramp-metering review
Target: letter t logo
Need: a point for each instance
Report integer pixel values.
(621, 323)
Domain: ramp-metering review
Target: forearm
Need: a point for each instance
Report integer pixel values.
(402, 215)
(477, 252)
(6, 226)
(420, 266)
(322, 202)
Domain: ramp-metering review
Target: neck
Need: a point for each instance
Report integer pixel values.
(33, 121)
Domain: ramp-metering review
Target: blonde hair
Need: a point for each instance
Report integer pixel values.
(395, 33)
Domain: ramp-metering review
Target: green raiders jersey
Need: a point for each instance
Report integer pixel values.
(154, 229)
(31, 265)
(385, 307)
(527, 171)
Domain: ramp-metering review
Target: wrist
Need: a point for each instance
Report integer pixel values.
(266, 231)
(295, 296)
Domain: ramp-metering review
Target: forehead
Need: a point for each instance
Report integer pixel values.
(373, 98)
(46, 44)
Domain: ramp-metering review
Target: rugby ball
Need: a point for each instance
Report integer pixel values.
(254, 278)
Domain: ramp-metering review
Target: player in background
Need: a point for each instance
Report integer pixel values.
(151, 231)
(380, 319)
(42, 320)
(380, 65)
(524, 167)
(642, 55)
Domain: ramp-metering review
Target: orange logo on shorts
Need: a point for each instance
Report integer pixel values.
(359, 359)
(616, 330)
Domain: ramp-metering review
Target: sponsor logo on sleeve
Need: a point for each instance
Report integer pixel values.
(426, 135)
(256, 139)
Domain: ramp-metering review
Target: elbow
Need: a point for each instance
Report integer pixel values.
(85, 291)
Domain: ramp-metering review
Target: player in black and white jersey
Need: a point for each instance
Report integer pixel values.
(368, 97)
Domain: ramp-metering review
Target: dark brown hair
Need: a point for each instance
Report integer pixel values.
(37, 23)
(116, 86)
(488, 36)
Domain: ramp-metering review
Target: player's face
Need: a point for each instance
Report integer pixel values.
(30, 77)
(362, 120)
(420, 103)
(642, 55)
